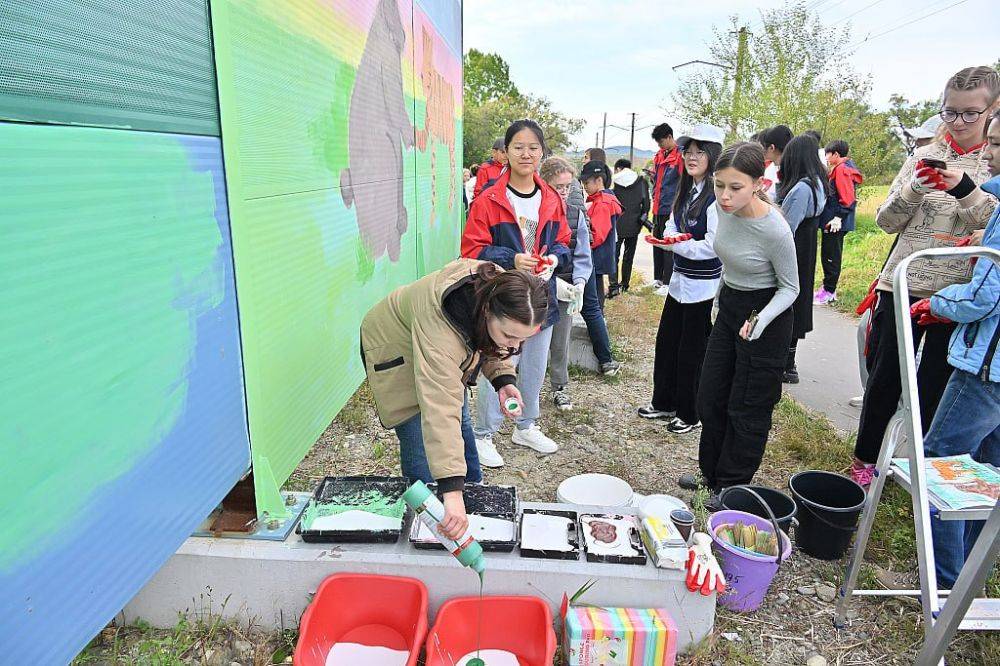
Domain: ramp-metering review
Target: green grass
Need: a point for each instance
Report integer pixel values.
(865, 250)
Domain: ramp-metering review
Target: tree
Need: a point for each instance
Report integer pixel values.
(793, 73)
(492, 102)
(487, 77)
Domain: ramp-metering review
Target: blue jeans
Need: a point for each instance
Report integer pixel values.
(531, 364)
(413, 458)
(967, 421)
(593, 314)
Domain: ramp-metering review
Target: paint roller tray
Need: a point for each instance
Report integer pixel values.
(362, 492)
(599, 550)
(489, 504)
(572, 536)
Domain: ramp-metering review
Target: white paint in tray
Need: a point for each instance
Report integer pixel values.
(542, 532)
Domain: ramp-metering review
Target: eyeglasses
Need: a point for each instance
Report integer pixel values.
(969, 117)
(562, 188)
(695, 154)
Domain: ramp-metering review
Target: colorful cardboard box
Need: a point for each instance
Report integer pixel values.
(619, 637)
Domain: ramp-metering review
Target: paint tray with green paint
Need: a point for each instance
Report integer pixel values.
(355, 509)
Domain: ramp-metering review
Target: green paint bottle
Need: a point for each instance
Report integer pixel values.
(429, 510)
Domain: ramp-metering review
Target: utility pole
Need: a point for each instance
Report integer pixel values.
(631, 142)
(741, 54)
(604, 129)
(597, 138)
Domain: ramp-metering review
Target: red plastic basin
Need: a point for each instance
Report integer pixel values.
(520, 625)
(385, 611)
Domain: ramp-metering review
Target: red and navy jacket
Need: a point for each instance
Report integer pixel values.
(668, 167)
(488, 174)
(493, 234)
(844, 181)
(603, 209)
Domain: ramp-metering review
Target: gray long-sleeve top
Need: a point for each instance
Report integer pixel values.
(801, 203)
(759, 253)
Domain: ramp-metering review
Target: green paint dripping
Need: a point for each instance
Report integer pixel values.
(479, 637)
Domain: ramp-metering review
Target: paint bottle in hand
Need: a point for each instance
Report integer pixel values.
(512, 405)
(429, 510)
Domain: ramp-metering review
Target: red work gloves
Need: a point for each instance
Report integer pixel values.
(921, 311)
(703, 572)
(669, 240)
(926, 179)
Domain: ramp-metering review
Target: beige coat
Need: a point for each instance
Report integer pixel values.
(418, 361)
(917, 218)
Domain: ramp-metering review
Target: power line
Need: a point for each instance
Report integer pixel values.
(864, 41)
(833, 6)
(863, 9)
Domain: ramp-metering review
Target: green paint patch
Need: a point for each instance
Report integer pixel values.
(107, 262)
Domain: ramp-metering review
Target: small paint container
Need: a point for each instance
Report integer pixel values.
(512, 405)
(683, 520)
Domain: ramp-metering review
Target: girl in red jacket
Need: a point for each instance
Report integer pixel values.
(519, 222)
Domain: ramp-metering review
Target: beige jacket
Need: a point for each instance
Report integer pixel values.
(916, 218)
(419, 361)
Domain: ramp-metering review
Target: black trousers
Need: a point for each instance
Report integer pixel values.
(805, 255)
(663, 262)
(884, 384)
(680, 349)
(832, 253)
(623, 262)
(740, 385)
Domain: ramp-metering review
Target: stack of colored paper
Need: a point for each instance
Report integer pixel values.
(619, 637)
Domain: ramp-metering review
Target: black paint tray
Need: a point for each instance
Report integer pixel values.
(634, 539)
(481, 500)
(355, 490)
(573, 537)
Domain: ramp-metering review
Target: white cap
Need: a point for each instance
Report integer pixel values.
(928, 130)
(703, 132)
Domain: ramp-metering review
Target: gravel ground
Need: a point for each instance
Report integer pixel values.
(603, 434)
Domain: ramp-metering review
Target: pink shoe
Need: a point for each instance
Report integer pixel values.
(822, 296)
(862, 473)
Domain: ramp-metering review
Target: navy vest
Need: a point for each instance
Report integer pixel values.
(604, 254)
(696, 269)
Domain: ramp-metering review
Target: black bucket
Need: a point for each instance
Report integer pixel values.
(782, 506)
(830, 505)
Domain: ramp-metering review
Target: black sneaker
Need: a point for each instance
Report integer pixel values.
(791, 376)
(680, 427)
(650, 412)
(613, 292)
(562, 400)
(689, 482)
(713, 503)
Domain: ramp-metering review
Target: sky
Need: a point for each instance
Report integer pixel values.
(595, 56)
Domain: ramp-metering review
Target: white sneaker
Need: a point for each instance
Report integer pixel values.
(857, 401)
(488, 454)
(534, 438)
(663, 291)
(656, 284)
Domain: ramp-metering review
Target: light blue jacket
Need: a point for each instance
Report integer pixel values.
(976, 306)
(583, 260)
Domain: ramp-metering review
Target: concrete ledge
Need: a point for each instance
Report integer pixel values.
(272, 582)
(581, 350)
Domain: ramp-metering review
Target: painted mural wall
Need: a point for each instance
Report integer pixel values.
(341, 127)
(137, 391)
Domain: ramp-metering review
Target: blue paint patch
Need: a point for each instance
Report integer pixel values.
(446, 15)
(53, 605)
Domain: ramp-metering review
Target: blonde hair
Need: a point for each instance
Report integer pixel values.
(973, 78)
(553, 166)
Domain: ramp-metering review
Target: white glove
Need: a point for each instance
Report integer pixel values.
(550, 267)
(576, 304)
(834, 225)
(564, 290)
(703, 572)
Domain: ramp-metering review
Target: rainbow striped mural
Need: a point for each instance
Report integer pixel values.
(198, 210)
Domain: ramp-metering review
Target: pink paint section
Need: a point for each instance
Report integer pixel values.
(671, 648)
(641, 634)
(446, 63)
